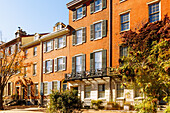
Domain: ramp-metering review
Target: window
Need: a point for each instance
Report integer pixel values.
(34, 69)
(79, 36)
(98, 30)
(97, 5)
(78, 63)
(60, 64)
(26, 53)
(64, 86)
(35, 51)
(79, 13)
(48, 46)
(9, 88)
(29, 90)
(125, 21)
(25, 71)
(36, 89)
(60, 42)
(98, 60)
(123, 51)
(45, 88)
(101, 90)
(87, 91)
(54, 85)
(48, 66)
(154, 12)
(36, 37)
(120, 91)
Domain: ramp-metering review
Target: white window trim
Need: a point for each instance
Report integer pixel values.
(34, 51)
(47, 88)
(98, 10)
(122, 13)
(98, 91)
(45, 66)
(122, 1)
(85, 91)
(98, 50)
(33, 68)
(154, 2)
(100, 21)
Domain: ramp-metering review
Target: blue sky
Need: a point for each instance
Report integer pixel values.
(33, 16)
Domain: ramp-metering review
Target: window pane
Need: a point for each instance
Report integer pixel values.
(55, 86)
(125, 22)
(78, 63)
(48, 46)
(60, 63)
(120, 91)
(45, 88)
(98, 32)
(48, 66)
(98, 60)
(87, 91)
(154, 12)
(60, 42)
(98, 5)
(79, 36)
(79, 12)
(101, 90)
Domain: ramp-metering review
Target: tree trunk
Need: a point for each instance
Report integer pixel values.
(1, 100)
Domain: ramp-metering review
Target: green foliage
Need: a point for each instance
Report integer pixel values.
(167, 110)
(64, 102)
(148, 62)
(96, 104)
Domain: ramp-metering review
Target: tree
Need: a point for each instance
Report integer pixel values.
(10, 66)
(148, 62)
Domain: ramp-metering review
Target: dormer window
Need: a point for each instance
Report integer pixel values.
(58, 27)
(36, 37)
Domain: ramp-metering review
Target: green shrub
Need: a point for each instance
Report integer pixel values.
(96, 104)
(65, 102)
(167, 110)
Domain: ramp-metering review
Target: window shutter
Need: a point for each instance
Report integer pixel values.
(64, 63)
(64, 41)
(104, 28)
(91, 61)
(73, 64)
(92, 32)
(74, 14)
(73, 38)
(55, 64)
(84, 62)
(44, 67)
(58, 86)
(51, 65)
(84, 10)
(51, 44)
(56, 43)
(84, 35)
(104, 3)
(44, 47)
(104, 59)
(92, 7)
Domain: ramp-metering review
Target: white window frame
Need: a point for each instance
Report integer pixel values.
(80, 62)
(44, 88)
(102, 91)
(35, 52)
(95, 6)
(81, 36)
(120, 1)
(59, 39)
(154, 2)
(95, 59)
(79, 13)
(86, 91)
(122, 14)
(63, 64)
(99, 22)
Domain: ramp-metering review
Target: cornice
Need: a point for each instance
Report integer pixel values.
(72, 3)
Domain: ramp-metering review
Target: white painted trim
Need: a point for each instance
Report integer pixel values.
(127, 11)
(97, 21)
(78, 54)
(122, 1)
(153, 1)
(98, 50)
(35, 82)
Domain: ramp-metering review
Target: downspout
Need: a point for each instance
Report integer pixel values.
(41, 73)
(110, 45)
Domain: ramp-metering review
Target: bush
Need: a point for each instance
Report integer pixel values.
(113, 106)
(65, 102)
(167, 110)
(96, 104)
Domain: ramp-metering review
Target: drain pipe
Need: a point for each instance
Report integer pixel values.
(110, 46)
